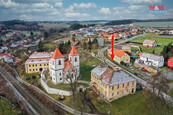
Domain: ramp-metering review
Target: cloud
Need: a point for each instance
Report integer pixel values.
(104, 11)
(142, 1)
(8, 4)
(58, 4)
(76, 6)
(76, 14)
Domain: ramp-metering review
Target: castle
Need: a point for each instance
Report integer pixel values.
(60, 69)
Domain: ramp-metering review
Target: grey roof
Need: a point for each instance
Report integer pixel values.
(120, 77)
(99, 70)
(149, 42)
(151, 56)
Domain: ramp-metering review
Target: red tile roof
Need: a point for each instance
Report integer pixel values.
(140, 53)
(73, 51)
(119, 53)
(57, 54)
(68, 67)
(107, 76)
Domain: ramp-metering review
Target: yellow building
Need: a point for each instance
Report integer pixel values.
(37, 62)
(111, 84)
(120, 56)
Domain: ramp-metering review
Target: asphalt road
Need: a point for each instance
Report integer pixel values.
(139, 80)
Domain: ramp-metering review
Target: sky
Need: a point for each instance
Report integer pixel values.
(80, 10)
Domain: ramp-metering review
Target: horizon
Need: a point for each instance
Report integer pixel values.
(81, 10)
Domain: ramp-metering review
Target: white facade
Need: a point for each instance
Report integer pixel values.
(152, 60)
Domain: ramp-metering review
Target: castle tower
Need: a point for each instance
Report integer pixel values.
(56, 66)
(74, 59)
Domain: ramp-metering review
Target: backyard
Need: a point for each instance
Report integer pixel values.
(162, 41)
(136, 104)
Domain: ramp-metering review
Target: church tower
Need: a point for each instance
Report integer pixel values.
(56, 66)
(74, 59)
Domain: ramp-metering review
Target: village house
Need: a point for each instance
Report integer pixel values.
(37, 62)
(60, 69)
(120, 56)
(149, 43)
(111, 84)
(170, 62)
(150, 60)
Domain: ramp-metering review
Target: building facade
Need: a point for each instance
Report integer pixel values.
(120, 56)
(111, 84)
(149, 43)
(37, 62)
(63, 71)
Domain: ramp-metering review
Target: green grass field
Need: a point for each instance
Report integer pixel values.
(136, 104)
(6, 108)
(158, 49)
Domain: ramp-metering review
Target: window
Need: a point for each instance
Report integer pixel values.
(44, 64)
(112, 94)
(123, 85)
(127, 84)
(29, 69)
(75, 59)
(59, 74)
(133, 83)
(40, 64)
(29, 65)
(59, 62)
(122, 91)
(47, 64)
(117, 93)
(127, 90)
(36, 65)
(117, 86)
(112, 87)
(36, 69)
(33, 69)
(70, 58)
(32, 65)
(60, 79)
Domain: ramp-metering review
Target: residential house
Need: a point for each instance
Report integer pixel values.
(150, 60)
(170, 62)
(60, 69)
(37, 62)
(111, 84)
(120, 56)
(132, 32)
(150, 43)
(8, 58)
(171, 32)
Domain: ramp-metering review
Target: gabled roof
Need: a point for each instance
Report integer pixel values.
(57, 54)
(149, 42)
(119, 53)
(68, 67)
(73, 51)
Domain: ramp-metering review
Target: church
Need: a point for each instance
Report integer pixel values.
(60, 69)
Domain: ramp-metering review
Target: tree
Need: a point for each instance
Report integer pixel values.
(69, 42)
(31, 34)
(45, 34)
(153, 52)
(84, 45)
(122, 63)
(40, 47)
(73, 37)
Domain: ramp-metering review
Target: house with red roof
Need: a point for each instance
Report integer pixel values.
(64, 71)
(170, 62)
(120, 56)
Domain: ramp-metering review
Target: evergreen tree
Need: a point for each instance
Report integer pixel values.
(31, 34)
(45, 34)
(69, 42)
(84, 45)
(40, 47)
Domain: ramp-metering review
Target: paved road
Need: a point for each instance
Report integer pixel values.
(139, 80)
(32, 105)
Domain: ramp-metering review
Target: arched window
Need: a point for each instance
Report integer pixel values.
(59, 62)
(70, 58)
(75, 59)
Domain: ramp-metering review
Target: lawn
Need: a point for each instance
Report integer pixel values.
(158, 49)
(136, 104)
(86, 67)
(171, 92)
(64, 86)
(6, 108)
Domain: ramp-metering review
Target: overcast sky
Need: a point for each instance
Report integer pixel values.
(63, 10)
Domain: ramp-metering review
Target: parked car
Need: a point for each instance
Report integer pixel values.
(117, 68)
(131, 68)
(144, 70)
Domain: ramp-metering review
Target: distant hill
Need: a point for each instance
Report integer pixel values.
(129, 21)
